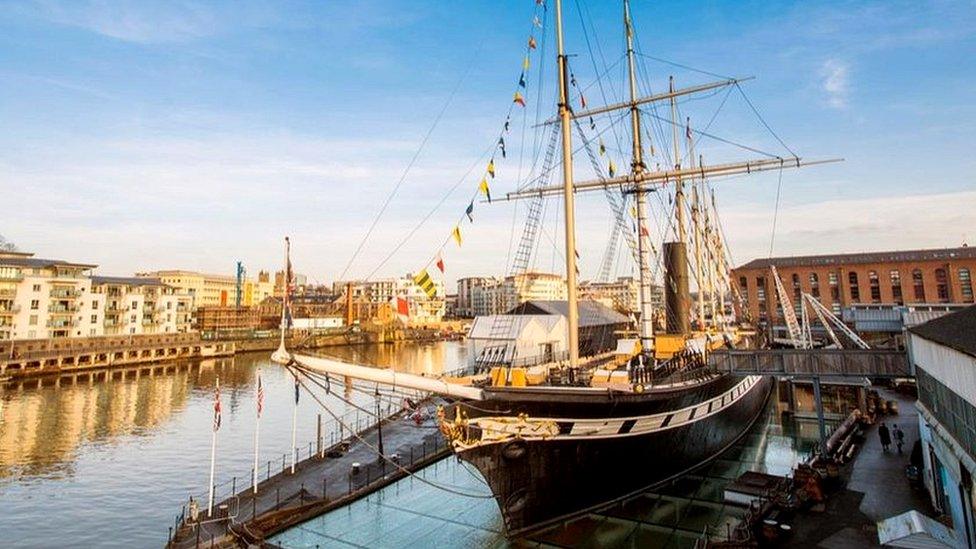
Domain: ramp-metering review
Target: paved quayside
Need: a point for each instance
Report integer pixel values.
(324, 481)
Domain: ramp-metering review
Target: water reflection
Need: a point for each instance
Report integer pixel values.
(108, 459)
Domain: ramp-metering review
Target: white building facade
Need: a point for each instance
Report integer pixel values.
(943, 354)
(45, 298)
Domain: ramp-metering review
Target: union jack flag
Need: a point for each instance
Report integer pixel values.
(216, 421)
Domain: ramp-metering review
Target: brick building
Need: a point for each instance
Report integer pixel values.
(840, 280)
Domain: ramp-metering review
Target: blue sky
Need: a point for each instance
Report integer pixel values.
(181, 134)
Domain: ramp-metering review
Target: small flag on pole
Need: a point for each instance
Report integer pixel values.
(537, 22)
(532, 42)
(423, 280)
(592, 124)
(469, 211)
(688, 127)
(643, 231)
(483, 187)
(522, 79)
(612, 168)
(501, 145)
(260, 395)
(525, 63)
(440, 262)
(582, 101)
(519, 99)
(491, 168)
(456, 233)
(216, 407)
(603, 148)
(508, 120)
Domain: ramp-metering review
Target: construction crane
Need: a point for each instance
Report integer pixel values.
(827, 317)
(240, 285)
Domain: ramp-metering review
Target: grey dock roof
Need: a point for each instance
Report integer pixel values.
(955, 330)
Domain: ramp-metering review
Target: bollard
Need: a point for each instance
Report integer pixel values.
(169, 538)
(233, 486)
(269, 470)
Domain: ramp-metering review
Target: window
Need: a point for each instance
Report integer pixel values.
(31, 334)
(942, 285)
(855, 289)
(966, 285)
(132, 330)
(743, 284)
(132, 319)
(135, 305)
(94, 319)
(91, 332)
(37, 287)
(796, 286)
(169, 305)
(918, 285)
(875, 286)
(834, 287)
(94, 304)
(895, 285)
(35, 304)
(814, 285)
(32, 320)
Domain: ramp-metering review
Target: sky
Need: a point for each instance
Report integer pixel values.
(183, 134)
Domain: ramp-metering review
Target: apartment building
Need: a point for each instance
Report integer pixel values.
(50, 298)
(423, 308)
(840, 280)
(206, 289)
(621, 294)
(139, 305)
(485, 295)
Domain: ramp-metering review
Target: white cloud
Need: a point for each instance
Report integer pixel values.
(133, 21)
(839, 226)
(835, 82)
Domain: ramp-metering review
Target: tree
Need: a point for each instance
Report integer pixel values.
(6, 245)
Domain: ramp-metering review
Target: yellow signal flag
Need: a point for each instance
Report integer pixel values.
(483, 187)
(456, 233)
(423, 280)
(525, 63)
(612, 168)
(633, 211)
(491, 168)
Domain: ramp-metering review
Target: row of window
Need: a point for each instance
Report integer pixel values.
(874, 287)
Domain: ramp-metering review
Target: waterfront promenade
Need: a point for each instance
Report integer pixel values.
(328, 478)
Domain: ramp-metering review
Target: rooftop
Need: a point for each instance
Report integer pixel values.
(939, 254)
(591, 313)
(125, 281)
(955, 330)
(9, 259)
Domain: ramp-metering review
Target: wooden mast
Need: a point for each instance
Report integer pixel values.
(640, 197)
(572, 314)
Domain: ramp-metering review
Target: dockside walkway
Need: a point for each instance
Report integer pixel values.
(320, 483)
(877, 488)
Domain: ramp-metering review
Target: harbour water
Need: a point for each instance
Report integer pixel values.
(414, 512)
(109, 463)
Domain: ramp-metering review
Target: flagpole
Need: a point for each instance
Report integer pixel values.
(213, 460)
(294, 430)
(257, 429)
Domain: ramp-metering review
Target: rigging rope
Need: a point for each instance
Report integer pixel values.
(446, 488)
(413, 160)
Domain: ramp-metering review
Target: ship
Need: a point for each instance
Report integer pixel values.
(558, 437)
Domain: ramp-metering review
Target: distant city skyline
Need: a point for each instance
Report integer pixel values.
(164, 135)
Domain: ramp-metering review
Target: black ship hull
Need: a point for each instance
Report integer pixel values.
(614, 448)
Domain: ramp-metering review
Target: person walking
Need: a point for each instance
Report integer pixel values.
(899, 438)
(885, 435)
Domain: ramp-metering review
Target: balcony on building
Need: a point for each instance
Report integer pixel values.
(65, 293)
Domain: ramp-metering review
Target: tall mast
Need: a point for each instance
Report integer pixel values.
(679, 186)
(640, 196)
(570, 229)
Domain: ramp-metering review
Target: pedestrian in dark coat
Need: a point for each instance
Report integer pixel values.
(899, 438)
(885, 435)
